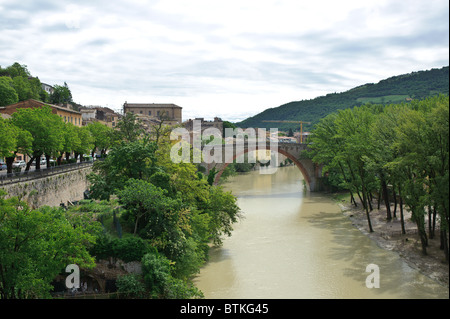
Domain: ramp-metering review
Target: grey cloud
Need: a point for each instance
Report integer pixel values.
(316, 58)
(11, 23)
(31, 7)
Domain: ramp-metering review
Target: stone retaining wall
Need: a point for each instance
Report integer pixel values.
(51, 190)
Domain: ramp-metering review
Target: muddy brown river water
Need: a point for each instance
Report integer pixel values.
(291, 244)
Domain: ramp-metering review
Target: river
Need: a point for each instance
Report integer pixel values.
(292, 244)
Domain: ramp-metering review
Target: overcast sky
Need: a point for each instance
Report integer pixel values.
(231, 59)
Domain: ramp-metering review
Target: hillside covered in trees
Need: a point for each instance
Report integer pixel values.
(397, 89)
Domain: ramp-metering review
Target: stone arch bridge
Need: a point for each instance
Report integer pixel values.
(312, 172)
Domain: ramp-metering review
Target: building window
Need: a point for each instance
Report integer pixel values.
(65, 120)
(140, 111)
(149, 113)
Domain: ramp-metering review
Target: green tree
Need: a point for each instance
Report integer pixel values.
(404, 145)
(156, 273)
(325, 147)
(8, 142)
(223, 212)
(46, 130)
(86, 142)
(422, 145)
(8, 94)
(384, 138)
(61, 94)
(342, 141)
(36, 245)
(71, 141)
(124, 161)
(151, 211)
(102, 137)
(129, 128)
(22, 87)
(183, 178)
(16, 69)
(14, 140)
(25, 86)
(158, 280)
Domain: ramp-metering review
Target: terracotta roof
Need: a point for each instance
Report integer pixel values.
(151, 105)
(36, 103)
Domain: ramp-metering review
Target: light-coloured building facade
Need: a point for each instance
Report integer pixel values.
(47, 88)
(171, 114)
(100, 114)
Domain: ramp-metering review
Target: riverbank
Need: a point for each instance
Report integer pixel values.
(388, 235)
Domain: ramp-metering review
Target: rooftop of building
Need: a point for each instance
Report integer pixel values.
(151, 105)
(36, 103)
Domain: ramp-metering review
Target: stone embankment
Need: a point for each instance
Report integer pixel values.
(51, 190)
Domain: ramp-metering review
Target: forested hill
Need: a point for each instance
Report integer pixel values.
(416, 85)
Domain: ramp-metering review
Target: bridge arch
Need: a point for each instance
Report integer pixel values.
(297, 162)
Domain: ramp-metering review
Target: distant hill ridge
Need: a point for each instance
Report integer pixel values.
(396, 89)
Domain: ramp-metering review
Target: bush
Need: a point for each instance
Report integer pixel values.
(179, 289)
(156, 270)
(130, 248)
(126, 249)
(156, 273)
(130, 286)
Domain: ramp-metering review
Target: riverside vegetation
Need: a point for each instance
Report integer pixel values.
(398, 151)
(166, 216)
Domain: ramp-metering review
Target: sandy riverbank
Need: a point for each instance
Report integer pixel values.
(388, 236)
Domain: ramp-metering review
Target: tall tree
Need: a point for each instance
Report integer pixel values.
(129, 128)
(46, 130)
(86, 142)
(353, 128)
(125, 161)
(102, 137)
(71, 141)
(8, 94)
(14, 140)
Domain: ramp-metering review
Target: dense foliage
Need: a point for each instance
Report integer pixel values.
(37, 245)
(397, 150)
(17, 84)
(151, 210)
(416, 85)
(38, 133)
(168, 206)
